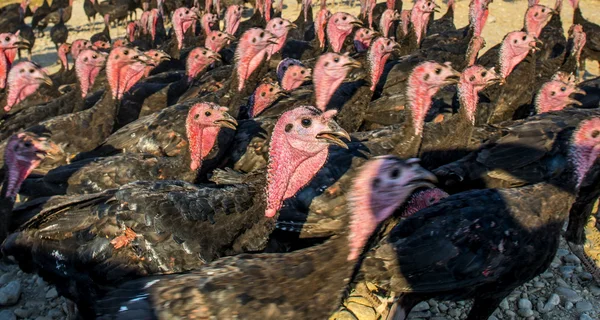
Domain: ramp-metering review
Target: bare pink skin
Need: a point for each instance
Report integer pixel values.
(297, 153)
(305, 5)
(217, 40)
(144, 22)
(208, 5)
(203, 124)
(379, 188)
(24, 78)
(24, 152)
(320, 23)
(579, 39)
(330, 71)
(183, 18)
(405, 18)
(370, 6)
(363, 38)
(390, 4)
(585, 147)
(124, 67)
(424, 81)
(265, 94)
(153, 20)
(198, 60)
(555, 95)
(536, 18)
(377, 56)
(423, 199)
(419, 17)
(477, 43)
(87, 67)
(132, 29)
(267, 11)
(250, 52)
(101, 45)
(531, 3)
(387, 19)
(260, 5)
(294, 77)
(340, 25)
(233, 16)
(472, 80)
(63, 51)
(120, 43)
(9, 45)
(574, 3)
(208, 21)
(155, 57)
(78, 46)
(558, 6)
(478, 14)
(515, 47)
(279, 28)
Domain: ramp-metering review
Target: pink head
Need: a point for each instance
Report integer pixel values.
(78, 46)
(423, 199)
(536, 18)
(405, 18)
(531, 3)
(370, 7)
(208, 22)
(143, 23)
(298, 150)
(279, 28)
(250, 52)
(216, 40)
(124, 67)
(10, 43)
(574, 3)
(424, 81)
(265, 94)
(558, 6)
(203, 124)
(24, 78)
(132, 29)
(419, 17)
(363, 38)
(579, 39)
(556, 95)
(475, 45)
(198, 60)
(387, 19)
(101, 46)
(377, 56)
(183, 18)
(267, 10)
(320, 23)
(155, 57)
(585, 147)
(478, 14)
(330, 71)
(381, 186)
(233, 16)
(120, 43)
(24, 152)
(63, 51)
(340, 25)
(515, 47)
(294, 77)
(87, 67)
(153, 19)
(472, 80)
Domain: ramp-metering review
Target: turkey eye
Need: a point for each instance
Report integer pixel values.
(156, 54)
(204, 52)
(281, 22)
(524, 38)
(187, 12)
(483, 74)
(438, 71)
(595, 133)
(262, 94)
(552, 93)
(306, 122)
(336, 60)
(270, 89)
(196, 116)
(207, 113)
(288, 127)
(367, 32)
(31, 70)
(472, 78)
(395, 174)
(302, 72)
(126, 52)
(563, 88)
(344, 18)
(7, 39)
(262, 34)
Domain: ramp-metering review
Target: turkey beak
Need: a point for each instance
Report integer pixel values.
(216, 57)
(227, 122)
(353, 63)
(22, 43)
(46, 147)
(575, 102)
(46, 79)
(333, 135)
(454, 78)
(496, 79)
(272, 40)
(292, 26)
(375, 34)
(166, 57)
(580, 91)
(229, 37)
(357, 23)
(396, 48)
(420, 177)
(307, 75)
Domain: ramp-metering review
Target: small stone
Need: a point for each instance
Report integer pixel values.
(583, 306)
(562, 283)
(56, 314)
(585, 317)
(419, 314)
(434, 309)
(504, 305)
(568, 294)
(454, 313)
(567, 271)
(525, 304)
(569, 305)
(492, 318)
(525, 313)
(51, 294)
(562, 252)
(439, 318)
(554, 299)
(595, 290)
(510, 313)
(443, 307)
(21, 313)
(432, 303)
(6, 278)
(538, 284)
(571, 258)
(7, 315)
(10, 293)
(421, 306)
(586, 276)
(547, 275)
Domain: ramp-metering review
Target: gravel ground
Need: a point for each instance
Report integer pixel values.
(565, 291)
